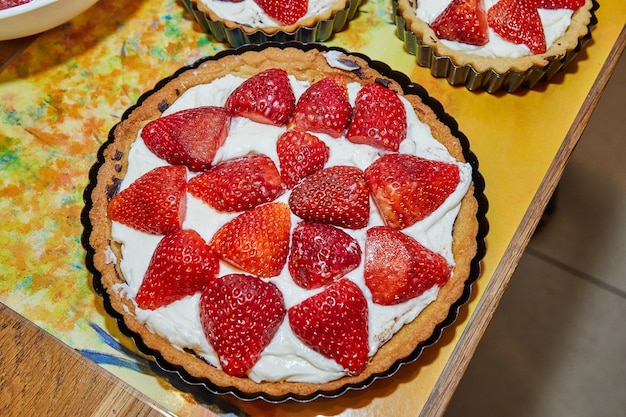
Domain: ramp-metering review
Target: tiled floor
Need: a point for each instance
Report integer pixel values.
(556, 346)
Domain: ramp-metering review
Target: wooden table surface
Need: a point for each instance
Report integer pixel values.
(46, 364)
(40, 373)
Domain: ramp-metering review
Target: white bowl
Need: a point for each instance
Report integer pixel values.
(38, 16)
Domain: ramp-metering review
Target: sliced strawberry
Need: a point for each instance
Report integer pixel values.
(407, 188)
(379, 118)
(334, 323)
(6, 4)
(256, 241)
(286, 12)
(300, 154)
(240, 315)
(560, 4)
(154, 203)
(518, 21)
(188, 137)
(323, 107)
(266, 97)
(239, 184)
(463, 21)
(181, 265)
(320, 254)
(398, 268)
(336, 195)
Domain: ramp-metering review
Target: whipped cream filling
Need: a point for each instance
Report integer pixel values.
(249, 13)
(286, 358)
(555, 23)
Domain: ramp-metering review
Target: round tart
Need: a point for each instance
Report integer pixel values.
(257, 21)
(479, 44)
(265, 249)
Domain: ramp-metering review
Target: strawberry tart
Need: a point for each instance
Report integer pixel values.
(240, 22)
(283, 222)
(494, 44)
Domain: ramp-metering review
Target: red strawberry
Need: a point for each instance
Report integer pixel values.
(407, 188)
(239, 184)
(182, 264)
(300, 154)
(334, 323)
(240, 315)
(518, 21)
(266, 97)
(379, 118)
(323, 107)
(398, 268)
(286, 12)
(6, 4)
(560, 4)
(188, 137)
(463, 21)
(155, 203)
(336, 195)
(257, 241)
(320, 254)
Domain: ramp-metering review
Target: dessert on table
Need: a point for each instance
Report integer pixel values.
(5, 4)
(283, 222)
(242, 22)
(494, 44)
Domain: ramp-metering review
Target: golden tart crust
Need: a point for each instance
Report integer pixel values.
(307, 65)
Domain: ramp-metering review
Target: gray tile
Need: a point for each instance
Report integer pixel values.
(556, 344)
(555, 347)
(588, 229)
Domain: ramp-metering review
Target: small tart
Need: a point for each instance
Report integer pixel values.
(310, 66)
(490, 73)
(310, 28)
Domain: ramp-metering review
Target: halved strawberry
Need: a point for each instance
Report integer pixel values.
(320, 254)
(154, 203)
(560, 4)
(239, 184)
(240, 315)
(336, 195)
(379, 118)
(181, 265)
(463, 21)
(334, 323)
(286, 12)
(188, 137)
(323, 107)
(266, 97)
(256, 241)
(300, 154)
(398, 268)
(407, 188)
(518, 21)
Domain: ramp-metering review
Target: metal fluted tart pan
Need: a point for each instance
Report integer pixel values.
(239, 35)
(195, 384)
(490, 80)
